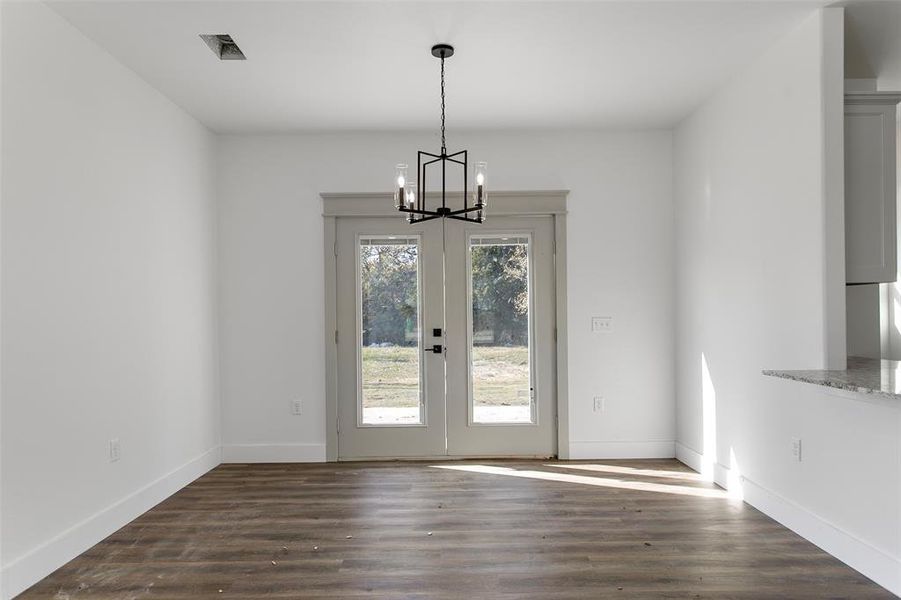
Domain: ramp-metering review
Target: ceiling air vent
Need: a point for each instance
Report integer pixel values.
(223, 46)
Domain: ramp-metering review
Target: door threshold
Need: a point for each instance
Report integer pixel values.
(445, 457)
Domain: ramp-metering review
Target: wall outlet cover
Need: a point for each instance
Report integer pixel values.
(296, 407)
(796, 449)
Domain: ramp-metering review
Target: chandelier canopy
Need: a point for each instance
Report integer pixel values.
(410, 196)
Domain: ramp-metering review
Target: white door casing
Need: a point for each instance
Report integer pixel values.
(531, 220)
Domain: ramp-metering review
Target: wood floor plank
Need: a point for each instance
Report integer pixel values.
(468, 529)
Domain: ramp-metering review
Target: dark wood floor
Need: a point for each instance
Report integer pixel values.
(620, 529)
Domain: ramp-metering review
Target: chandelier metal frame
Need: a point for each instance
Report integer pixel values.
(415, 204)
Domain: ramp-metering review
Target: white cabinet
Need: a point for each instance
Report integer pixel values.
(870, 187)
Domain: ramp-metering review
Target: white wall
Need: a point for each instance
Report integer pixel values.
(753, 291)
(108, 294)
(889, 309)
(620, 264)
(873, 42)
(864, 321)
(873, 51)
(2, 582)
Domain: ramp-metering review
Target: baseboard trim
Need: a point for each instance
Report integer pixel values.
(688, 457)
(26, 570)
(273, 453)
(627, 449)
(858, 554)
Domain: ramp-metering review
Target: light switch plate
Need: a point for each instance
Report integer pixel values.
(601, 324)
(115, 450)
(296, 407)
(600, 404)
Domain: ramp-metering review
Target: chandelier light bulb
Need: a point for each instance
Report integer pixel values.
(480, 197)
(400, 179)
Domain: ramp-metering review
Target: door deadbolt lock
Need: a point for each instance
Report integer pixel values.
(437, 349)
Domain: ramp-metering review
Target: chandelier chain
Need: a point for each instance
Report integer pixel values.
(443, 143)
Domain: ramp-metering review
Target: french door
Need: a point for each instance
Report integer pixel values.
(445, 338)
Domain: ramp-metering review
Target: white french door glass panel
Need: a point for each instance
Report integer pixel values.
(500, 314)
(500, 302)
(390, 353)
(389, 284)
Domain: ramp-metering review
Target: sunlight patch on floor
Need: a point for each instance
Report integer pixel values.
(618, 470)
(642, 486)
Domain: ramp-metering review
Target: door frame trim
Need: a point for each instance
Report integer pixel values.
(502, 203)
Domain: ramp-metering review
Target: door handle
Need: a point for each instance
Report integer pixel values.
(437, 349)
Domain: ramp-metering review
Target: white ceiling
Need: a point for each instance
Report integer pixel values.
(366, 65)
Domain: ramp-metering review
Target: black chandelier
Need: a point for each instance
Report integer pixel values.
(410, 197)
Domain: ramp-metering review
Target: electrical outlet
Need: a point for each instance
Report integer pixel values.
(796, 449)
(115, 452)
(600, 404)
(601, 324)
(296, 407)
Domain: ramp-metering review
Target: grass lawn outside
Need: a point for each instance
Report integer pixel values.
(391, 376)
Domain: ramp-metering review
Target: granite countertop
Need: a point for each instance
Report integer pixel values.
(865, 375)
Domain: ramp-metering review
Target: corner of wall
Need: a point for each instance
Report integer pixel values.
(27, 570)
(833, 102)
(843, 545)
(798, 182)
(45, 59)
